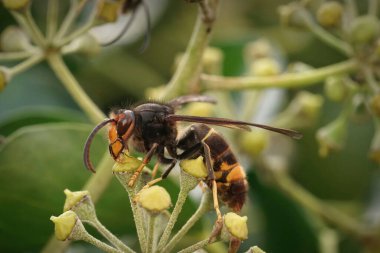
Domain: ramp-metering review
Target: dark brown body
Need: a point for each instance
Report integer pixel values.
(229, 174)
(151, 129)
(152, 126)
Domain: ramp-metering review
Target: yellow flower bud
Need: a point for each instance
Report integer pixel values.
(86, 45)
(364, 29)
(335, 88)
(332, 136)
(109, 11)
(254, 142)
(290, 15)
(199, 109)
(127, 164)
(256, 249)
(265, 67)
(302, 111)
(258, 49)
(236, 225)
(13, 39)
(212, 60)
(64, 225)
(194, 167)
(73, 198)
(154, 199)
(16, 5)
(330, 14)
(154, 92)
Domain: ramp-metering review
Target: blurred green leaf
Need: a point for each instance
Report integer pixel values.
(37, 164)
(38, 115)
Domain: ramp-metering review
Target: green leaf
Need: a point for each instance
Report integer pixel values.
(37, 115)
(37, 163)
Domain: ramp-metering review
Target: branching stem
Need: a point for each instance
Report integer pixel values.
(203, 208)
(195, 247)
(173, 219)
(189, 67)
(52, 19)
(31, 61)
(288, 80)
(71, 84)
(111, 237)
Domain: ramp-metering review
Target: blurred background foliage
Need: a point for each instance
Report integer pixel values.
(42, 133)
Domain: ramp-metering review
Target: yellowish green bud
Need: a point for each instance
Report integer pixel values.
(86, 45)
(109, 11)
(154, 199)
(265, 67)
(364, 29)
(74, 198)
(16, 5)
(13, 39)
(154, 92)
(329, 14)
(335, 88)
(302, 111)
(236, 225)
(194, 167)
(126, 164)
(254, 142)
(65, 225)
(258, 49)
(375, 104)
(332, 137)
(212, 60)
(290, 15)
(255, 249)
(200, 109)
(298, 67)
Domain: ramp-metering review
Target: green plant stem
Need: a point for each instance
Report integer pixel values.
(137, 215)
(14, 56)
(328, 213)
(204, 207)
(195, 247)
(71, 84)
(31, 61)
(99, 244)
(150, 234)
(288, 80)
(324, 35)
(98, 182)
(26, 21)
(189, 68)
(52, 19)
(68, 20)
(182, 196)
(81, 30)
(111, 237)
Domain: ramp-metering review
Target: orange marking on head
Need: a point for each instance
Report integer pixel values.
(116, 148)
(236, 173)
(112, 133)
